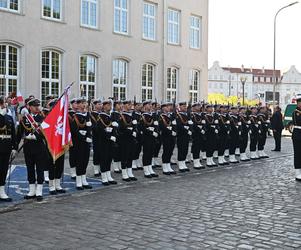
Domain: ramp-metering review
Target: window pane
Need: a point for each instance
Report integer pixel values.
(12, 86)
(14, 4)
(85, 13)
(2, 86)
(47, 8)
(93, 10)
(55, 65)
(2, 59)
(57, 9)
(3, 3)
(83, 68)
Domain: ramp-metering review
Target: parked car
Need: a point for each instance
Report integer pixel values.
(288, 119)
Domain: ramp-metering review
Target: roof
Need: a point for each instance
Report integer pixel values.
(255, 72)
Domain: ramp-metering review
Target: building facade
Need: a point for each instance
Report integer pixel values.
(258, 83)
(109, 48)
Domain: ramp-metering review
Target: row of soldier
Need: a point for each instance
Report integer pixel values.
(121, 132)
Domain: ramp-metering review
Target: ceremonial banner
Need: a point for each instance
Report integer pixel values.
(56, 127)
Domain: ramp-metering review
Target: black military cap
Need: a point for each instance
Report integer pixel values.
(154, 102)
(165, 104)
(182, 103)
(242, 107)
(234, 107)
(28, 99)
(105, 102)
(49, 97)
(117, 102)
(96, 101)
(209, 106)
(298, 99)
(34, 102)
(73, 100)
(196, 104)
(127, 102)
(253, 107)
(81, 100)
(147, 102)
(52, 103)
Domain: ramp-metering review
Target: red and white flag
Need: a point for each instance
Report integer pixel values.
(56, 127)
(18, 98)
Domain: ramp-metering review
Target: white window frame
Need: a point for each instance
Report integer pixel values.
(86, 83)
(175, 27)
(8, 77)
(118, 76)
(173, 91)
(89, 25)
(50, 80)
(193, 91)
(51, 17)
(147, 88)
(121, 10)
(145, 34)
(195, 30)
(9, 9)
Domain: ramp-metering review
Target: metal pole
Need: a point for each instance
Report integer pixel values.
(274, 62)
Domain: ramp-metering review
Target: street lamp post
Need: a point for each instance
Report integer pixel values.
(243, 80)
(274, 64)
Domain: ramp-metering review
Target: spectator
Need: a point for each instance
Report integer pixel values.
(277, 127)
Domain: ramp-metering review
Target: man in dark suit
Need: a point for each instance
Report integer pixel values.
(277, 126)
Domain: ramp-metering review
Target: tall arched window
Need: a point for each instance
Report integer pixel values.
(50, 74)
(120, 79)
(172, 83)
(87, 76)
(9, 71)
(194, 80)
(147, 81)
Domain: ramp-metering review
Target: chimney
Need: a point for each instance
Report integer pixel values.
(262, 70)
(242, 68)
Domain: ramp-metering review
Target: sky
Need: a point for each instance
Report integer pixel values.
(241, 32)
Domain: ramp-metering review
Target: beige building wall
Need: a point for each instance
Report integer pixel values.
(32, 33)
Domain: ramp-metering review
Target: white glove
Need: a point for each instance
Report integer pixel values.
(239, 132)
(174, 133)
(155, 134)
(134, 122)
(113, 138)
(13, 153)
(134, 134)
(249, 122)
(259, 131)
(216, 121)
(259, 122)
(250, 132)
(115, 124)
(200, 127)
(239, 124)
(88, 124)
(268, 121)
(88, 139)
(186, 127)
(190, 122)
(174, 122)
(129, 128)
(228, 132)
(82, 132)
(227, 122)
(216, 131)
(189, 133)
(169, 128)
(156, 123)
(109, 129)
(256, 125)
(203, 131)
(33, 137)
(203, 122)
(151, 129)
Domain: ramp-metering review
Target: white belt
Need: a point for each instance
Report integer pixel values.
(5, 136)
(297, 127)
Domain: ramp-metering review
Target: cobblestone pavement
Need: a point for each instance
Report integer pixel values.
(254, 205)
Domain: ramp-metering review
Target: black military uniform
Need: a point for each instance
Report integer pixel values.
(35, 151)
(244, 133)
(81, 131)
(198, 136)
(254, 131)
(183, 135)
(95, 143)
(127, 138)
(116, 117)
(234, 134)
(150, 133)
(167, 125)
(8, 147)
(72, 153)
(138, 146)
(224, 135)
(212, 130)
(296, 137)
(264, 124)
(158, 140)
(106, 141)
